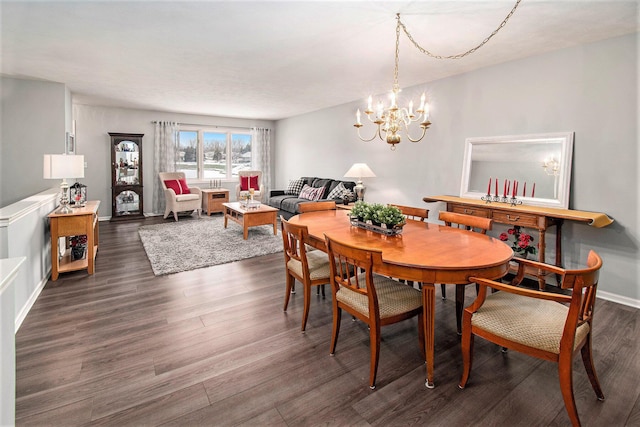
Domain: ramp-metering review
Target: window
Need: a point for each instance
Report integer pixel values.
(204, 154)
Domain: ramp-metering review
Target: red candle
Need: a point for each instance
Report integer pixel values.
(496, 187)
(533, 192)
(504, 192)
(515, 188)
(489, 186)
(524, 189)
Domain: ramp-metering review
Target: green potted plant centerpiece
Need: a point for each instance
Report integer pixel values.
(377, 217)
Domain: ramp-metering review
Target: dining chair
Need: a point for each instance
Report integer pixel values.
(317, 206)
(546, 325)
(418, 214)
(309, 268)
(466, 222)
(374, 299)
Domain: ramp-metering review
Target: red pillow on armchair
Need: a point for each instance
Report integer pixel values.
(179, 186)
(247, 182)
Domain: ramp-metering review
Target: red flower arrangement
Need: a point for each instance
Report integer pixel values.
(521, 244)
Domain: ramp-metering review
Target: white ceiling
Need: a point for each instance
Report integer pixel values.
(277, 59)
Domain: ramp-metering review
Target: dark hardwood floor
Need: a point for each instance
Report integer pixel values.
(213, 347)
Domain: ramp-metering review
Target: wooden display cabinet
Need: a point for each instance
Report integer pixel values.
(126, 176)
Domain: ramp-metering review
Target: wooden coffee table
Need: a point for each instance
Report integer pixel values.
(250, 217)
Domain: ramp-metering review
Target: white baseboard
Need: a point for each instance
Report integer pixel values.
(24, 310)
(619, 299)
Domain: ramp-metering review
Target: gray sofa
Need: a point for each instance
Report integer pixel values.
(287, 204)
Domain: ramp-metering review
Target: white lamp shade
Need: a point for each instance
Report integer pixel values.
(62, 166)
(359, 170)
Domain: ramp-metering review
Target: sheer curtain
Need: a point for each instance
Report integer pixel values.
(165, 141)
(261, 140)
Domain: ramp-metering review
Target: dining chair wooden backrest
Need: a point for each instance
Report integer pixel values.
(547, 325)
(317, 206)
(466, 222)
(418, 214)
(369, 297)
(309, 268)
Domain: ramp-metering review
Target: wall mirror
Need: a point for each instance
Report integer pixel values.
(541, 163)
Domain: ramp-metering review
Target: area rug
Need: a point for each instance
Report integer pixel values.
(195, 243)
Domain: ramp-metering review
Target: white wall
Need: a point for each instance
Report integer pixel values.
(34, 118)
(591, 90)
(93, 125)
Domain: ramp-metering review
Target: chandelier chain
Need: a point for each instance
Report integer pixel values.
(459, 55)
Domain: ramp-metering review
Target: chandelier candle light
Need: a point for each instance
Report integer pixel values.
(393, 119)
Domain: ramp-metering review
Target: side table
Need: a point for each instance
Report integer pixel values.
(82, 221)
(213, 198)
(346, 207)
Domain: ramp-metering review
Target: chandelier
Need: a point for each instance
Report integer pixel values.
(392, 120)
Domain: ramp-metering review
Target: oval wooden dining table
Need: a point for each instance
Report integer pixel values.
(424, 252)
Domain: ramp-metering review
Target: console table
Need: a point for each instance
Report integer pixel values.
(82, 221)
(213, 198)
(539, 218)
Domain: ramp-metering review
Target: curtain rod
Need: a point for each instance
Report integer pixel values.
(211, 126)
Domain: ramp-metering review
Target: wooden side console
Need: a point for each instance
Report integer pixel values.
(212, 199)
(82, 221)
(539, 218)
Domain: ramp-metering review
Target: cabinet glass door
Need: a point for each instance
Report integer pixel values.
(127, 157)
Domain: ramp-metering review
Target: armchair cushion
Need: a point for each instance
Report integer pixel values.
(179, 186)
(247, 182)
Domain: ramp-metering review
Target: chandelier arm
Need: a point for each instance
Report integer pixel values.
(459, 55)
(370, 139)
(424, 130)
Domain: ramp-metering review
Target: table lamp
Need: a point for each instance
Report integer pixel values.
(63, 166)
(359, 170)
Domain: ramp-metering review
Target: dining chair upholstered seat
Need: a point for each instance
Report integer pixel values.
(311, 268)
(375, 300)
(552, 326)
(318, 265)
(392, 299)
(466, 222)
(527, 321)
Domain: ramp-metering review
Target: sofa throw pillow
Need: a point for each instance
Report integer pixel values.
(295, 187)
(179, 186)
(311, 193)
(247, 182)
(338, 192)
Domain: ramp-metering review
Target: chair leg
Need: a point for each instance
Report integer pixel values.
(175, 216)
(459, 307)
(374, 343)
(566, 387)
(467, 351)
(289, 284)
(337, 315)
(307, 304)
(587, 360)
(443, 291)
(167, 211)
